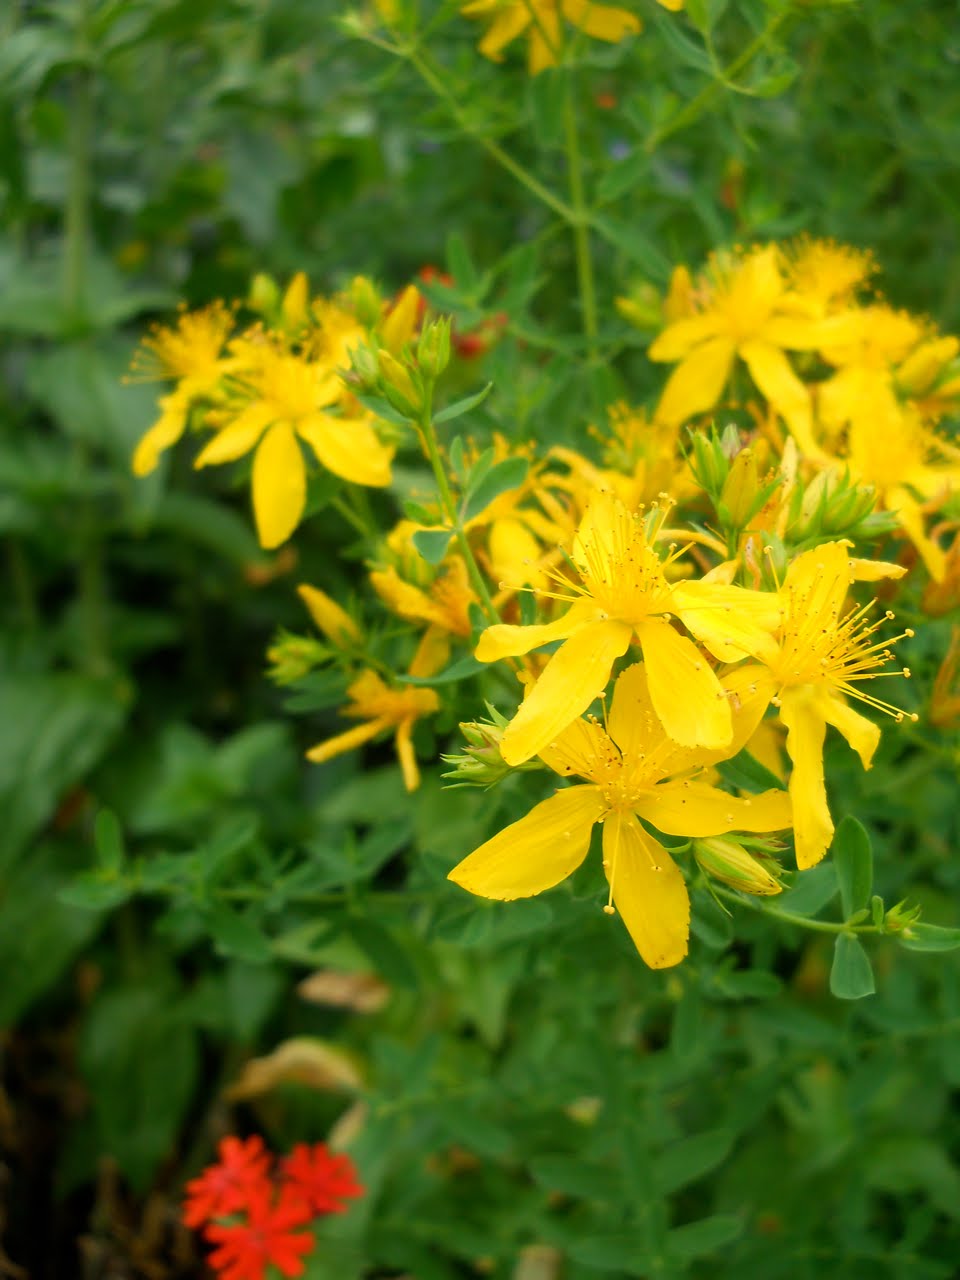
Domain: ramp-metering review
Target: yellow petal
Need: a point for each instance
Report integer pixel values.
(602, 21)
(335, 623)
(433, 653)
(679, 338)
(820, 579)
(862, 734)
(405, 754)
(771, 371)
(648, 891)
(576, 674)
(697, 809)
(347, 741)
(237, 439)
(514, 553)
(166, 431)
(535, 853)
(404, 599)
(349, 448)
(875, 570)
(508, 24)
(578, 749)
(697, 383)
(806, 729)
(685, 691)
(910, 519)
(729, 621)
(633, 723)
(400, 324)
(503, 641)
(279, 485)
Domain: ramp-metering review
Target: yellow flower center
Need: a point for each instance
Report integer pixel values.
(622, 571)
(818, 646)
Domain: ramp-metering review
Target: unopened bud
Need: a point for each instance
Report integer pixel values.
(728, 861)
(481, 764)
(292, 657)
(398, 385)
(401, 322)
(433, 349)
(642, 307)
(365, 371)
(365, 300)
(830, 506)
(295, 308)
(709, 463)
(739, 494)
(333, 621)
(264, 295)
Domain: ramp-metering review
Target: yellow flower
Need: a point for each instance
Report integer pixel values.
(283, 398)
(542, 22)
(818, 659)
(381, 708)
(625, 594)
(827, 273)
(894, 452)
(747, 312)
(330, 618)
(633, 771)
(190, 352)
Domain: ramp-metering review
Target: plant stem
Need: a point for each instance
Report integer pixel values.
(77, 211)
(818, 926)
(428, 431)
(580, 224)
(688, 113)
(493, 149)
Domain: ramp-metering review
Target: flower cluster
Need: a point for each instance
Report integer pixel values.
(858, 385)
(641, 610)
(254, 1211)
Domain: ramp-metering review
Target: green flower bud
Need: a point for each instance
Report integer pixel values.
(728, 861)
(433, 349)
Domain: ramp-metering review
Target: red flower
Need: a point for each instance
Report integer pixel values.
(239, 1179)
(320, 1178)
(246, 1249)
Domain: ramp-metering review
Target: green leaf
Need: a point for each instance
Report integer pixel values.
(812, 891)
(690, 1159)
(617, 1251)
(698, 1238)
(574, 1176)
(93, 892)
(506, 475)
(108, 840)
(930, 937)
(237, 935)
(460, 407)
(623, 176)
(851, 977)
(460, 264)
(432, 543)
(853, 863)
(459, 670)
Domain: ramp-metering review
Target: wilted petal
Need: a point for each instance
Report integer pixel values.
(279, 485)
(685, 691)
(535, 853)
(576, 674)
(648, 891)
(806, 730)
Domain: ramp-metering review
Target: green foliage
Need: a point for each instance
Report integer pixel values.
(170, 867)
